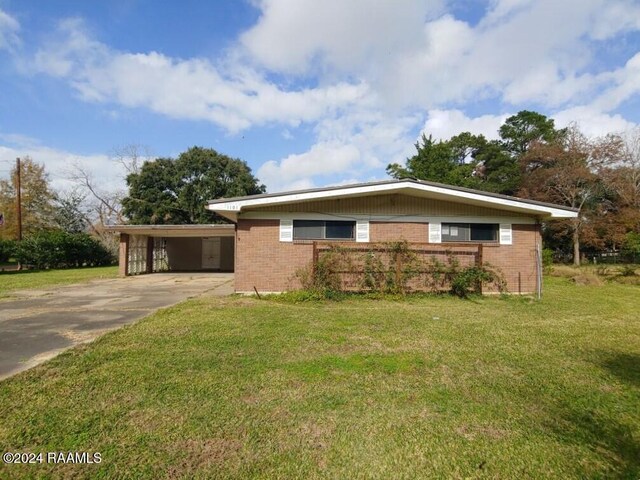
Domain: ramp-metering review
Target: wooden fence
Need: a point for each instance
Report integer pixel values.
(409, 266)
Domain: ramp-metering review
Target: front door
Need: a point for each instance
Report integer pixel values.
(211, 253)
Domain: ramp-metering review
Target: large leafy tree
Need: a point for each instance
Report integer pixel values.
(569, 171)
(69, 213)
(496, 170)
(168, 191)
(469, 160)
(37, 200)
(520, 131)
(450, 162)
(465, 160)
(617, 161)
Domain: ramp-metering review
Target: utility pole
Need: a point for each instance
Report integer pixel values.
(18, 199)
(18, 203)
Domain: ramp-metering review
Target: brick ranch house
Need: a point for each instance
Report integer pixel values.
(274, 235)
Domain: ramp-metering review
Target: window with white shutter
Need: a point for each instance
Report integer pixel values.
(506, 234)
(435, 232)
(362, 231)
(286, 230)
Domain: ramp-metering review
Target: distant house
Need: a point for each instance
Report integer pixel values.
(274, 235)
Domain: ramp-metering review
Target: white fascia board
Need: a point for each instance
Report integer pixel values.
(530, 208)
(171, 231)
(386, 218)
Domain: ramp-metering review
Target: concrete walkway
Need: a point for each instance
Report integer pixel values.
(36, 325)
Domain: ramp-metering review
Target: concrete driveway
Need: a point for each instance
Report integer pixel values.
(36, 325)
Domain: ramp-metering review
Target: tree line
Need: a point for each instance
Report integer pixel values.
(600, 177)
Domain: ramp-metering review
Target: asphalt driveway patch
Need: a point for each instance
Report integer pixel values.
(36, 325)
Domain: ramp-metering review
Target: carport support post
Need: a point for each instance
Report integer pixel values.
(123, 254)
(149, 265)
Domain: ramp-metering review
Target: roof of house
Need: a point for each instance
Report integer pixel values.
(231, 207)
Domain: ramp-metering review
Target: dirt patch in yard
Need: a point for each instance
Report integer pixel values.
(205, 452)
(471, 432)
(587, 279)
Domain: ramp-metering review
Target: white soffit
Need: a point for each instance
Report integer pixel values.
(233, 207)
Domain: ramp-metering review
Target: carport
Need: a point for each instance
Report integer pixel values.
(175, 248)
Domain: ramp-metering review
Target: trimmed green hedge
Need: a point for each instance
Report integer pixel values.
(59, 249)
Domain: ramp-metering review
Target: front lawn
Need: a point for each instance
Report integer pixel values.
(425, 388)
(28, 279)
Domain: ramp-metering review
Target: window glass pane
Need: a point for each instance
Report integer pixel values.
(308, 229)
(465, 232)
(484, 232)
(455, 232)
(341, 230)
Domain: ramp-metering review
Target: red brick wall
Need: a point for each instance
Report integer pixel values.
(518, 261)
(263, 261)
(270, 265)
(390, 231)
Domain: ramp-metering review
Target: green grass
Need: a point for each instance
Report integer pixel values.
(28, 279)
(424, 388)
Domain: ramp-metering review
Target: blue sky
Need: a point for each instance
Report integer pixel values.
(308, 93)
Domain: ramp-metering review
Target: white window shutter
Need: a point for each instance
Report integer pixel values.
(506, 234)
(362, 231)
(435, 232)
(286, 230)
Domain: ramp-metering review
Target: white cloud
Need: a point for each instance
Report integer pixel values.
(192, 89)
(58, 162)
(617, 17)
(398, 55)
(444, 124)
(19, 139)
(294, 171)
(592, 122)
(528, 47)
(521, 50)
(293, 35)
(625, 84)
(9, 28)
(349, 146)
(501, 9)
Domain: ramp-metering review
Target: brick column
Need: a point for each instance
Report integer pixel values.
(123, 254)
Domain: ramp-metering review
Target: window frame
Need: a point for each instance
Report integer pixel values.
(324, 237)
(469, 226)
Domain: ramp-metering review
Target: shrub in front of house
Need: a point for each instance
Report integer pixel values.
(59, 249)
(7, 250)
(547, 260)
(393, 268)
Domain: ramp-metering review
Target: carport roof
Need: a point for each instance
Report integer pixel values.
(208, 230)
